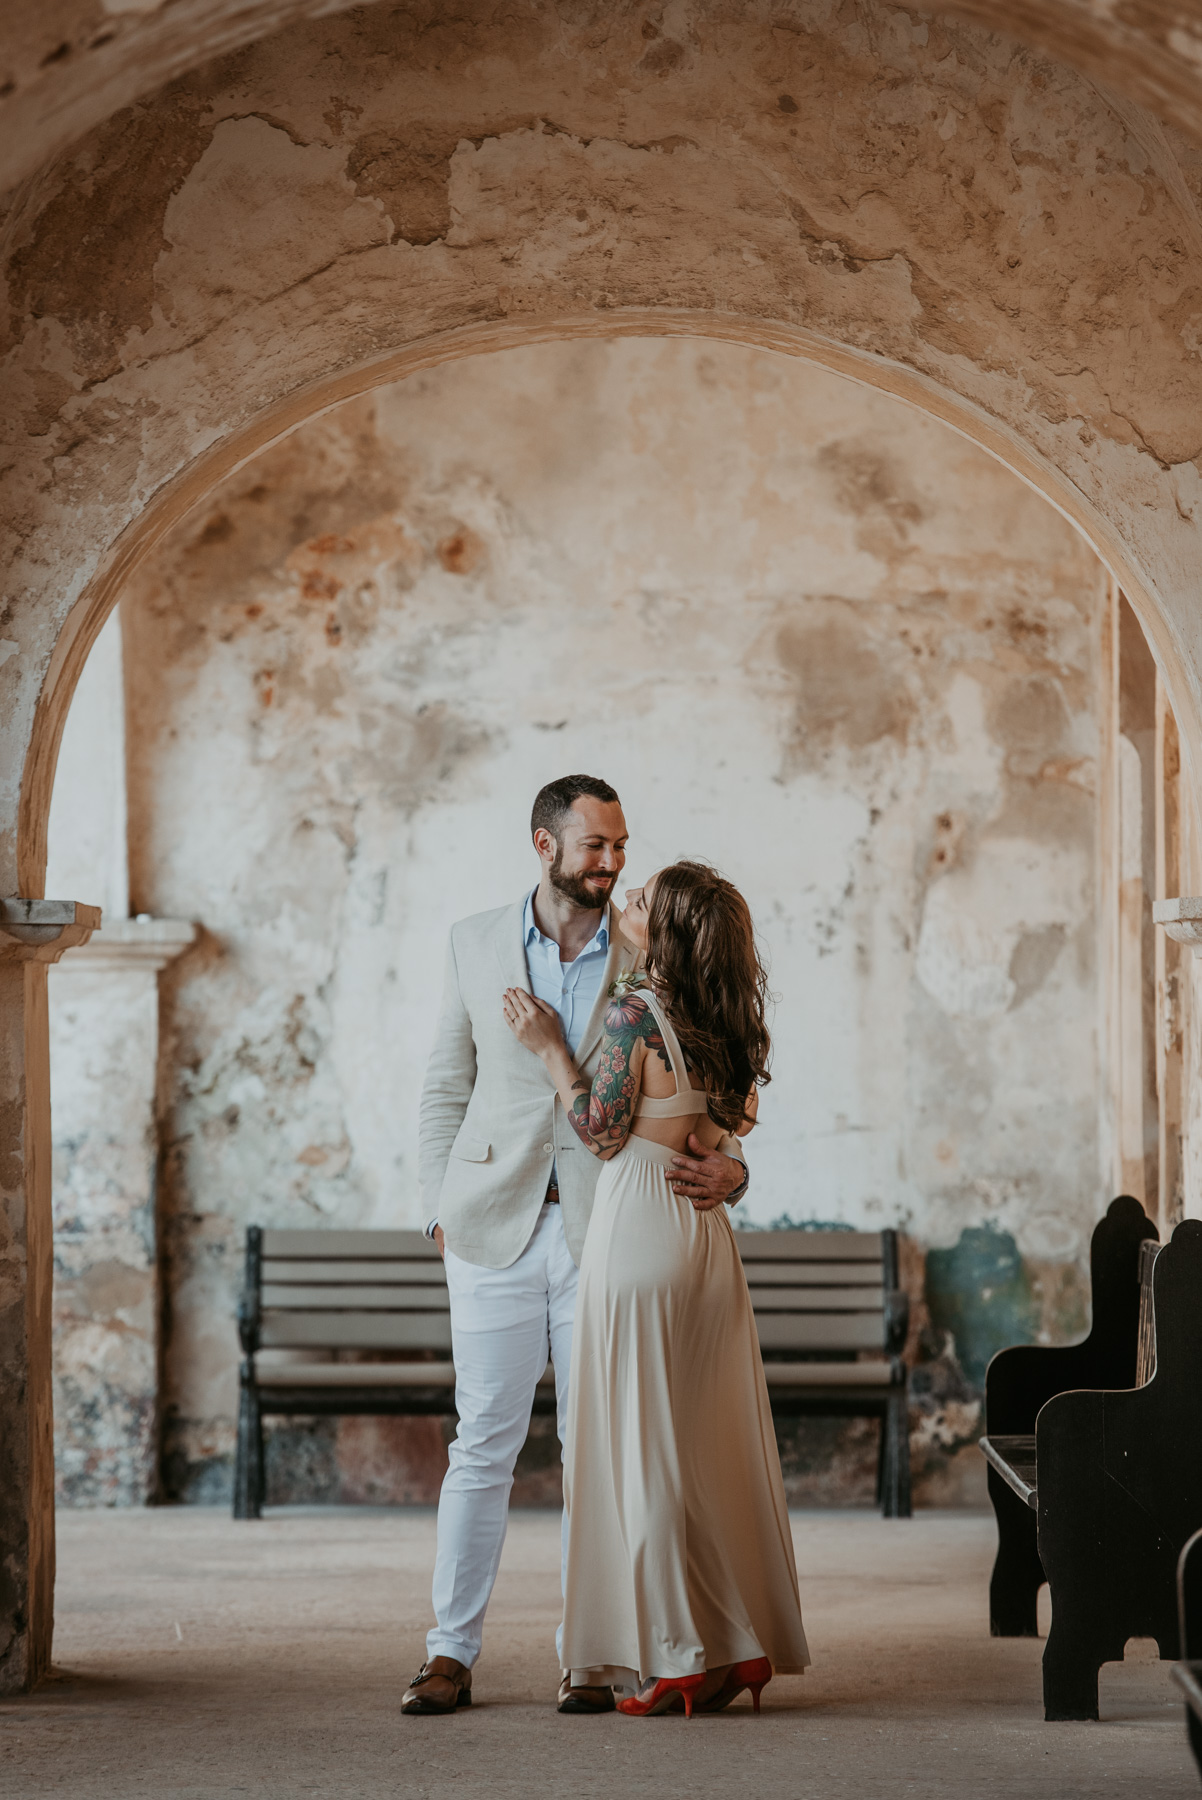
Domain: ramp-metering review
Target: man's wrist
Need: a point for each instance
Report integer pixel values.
(431, 1228)
(736, 1193)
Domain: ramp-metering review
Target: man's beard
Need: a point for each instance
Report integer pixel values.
(576, 889)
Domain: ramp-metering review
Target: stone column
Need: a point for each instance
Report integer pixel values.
(33, 934)
(1171, 974)
(104, 1041)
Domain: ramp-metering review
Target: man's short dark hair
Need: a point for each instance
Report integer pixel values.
(554, 802)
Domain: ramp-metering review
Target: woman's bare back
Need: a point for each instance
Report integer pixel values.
(662, 1063)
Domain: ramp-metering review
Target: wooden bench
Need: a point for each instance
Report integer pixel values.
(1020, 1380)
(1188, 1672)
(1114, 1479)
(319, 1302)
(316, 1303)
(832, 1323)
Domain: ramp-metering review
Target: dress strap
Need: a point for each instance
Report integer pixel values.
(680, 1073)
(687, 1101)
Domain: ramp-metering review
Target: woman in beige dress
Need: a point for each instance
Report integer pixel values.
(681, 1583)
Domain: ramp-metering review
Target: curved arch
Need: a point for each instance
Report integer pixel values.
(190, 486)
(974, 229)
(1148, 52)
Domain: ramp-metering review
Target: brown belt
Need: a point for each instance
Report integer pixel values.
(552, 1195)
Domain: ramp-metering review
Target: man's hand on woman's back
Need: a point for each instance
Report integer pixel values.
(706, 1177)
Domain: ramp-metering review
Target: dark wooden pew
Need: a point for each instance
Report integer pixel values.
(1020, 1380)
(1116, 1486)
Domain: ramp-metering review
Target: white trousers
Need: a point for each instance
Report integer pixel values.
(504, 1323)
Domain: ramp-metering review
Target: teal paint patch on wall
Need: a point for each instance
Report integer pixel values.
(980, 1291)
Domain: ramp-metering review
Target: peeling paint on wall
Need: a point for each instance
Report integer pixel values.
(805, 631)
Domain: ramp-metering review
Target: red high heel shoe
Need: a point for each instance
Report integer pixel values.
(754, 1675)
(663, 1695)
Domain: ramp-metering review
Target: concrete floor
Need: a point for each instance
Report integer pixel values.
(199, 1659)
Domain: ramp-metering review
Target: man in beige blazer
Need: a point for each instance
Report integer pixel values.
(511, 1188)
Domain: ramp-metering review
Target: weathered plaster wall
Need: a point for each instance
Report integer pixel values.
(103, 1056)
(103, 1003)
(87, 851)
(855, 180)
(807, 633)
(104, 1071)
(68, 64)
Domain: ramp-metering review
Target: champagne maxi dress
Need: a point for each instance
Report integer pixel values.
(679, 1551)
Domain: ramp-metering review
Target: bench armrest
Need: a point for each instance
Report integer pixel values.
(1021, 1380)
(248, 1306)
(248, 1323)
(897, 1321)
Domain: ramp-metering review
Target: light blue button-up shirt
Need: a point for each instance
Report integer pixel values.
(571, 988)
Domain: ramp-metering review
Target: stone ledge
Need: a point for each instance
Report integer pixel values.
(44, 930)
(1182, 919)
(140, 943)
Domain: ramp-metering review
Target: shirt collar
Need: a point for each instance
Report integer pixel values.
(532, 935)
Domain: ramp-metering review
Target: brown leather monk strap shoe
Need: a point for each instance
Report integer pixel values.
(440, 1686)
(584, 1699)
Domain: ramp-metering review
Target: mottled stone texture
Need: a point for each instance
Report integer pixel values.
(103, 1051)
(69, 64)
(104, 1042)
(861, 660)
(982, 229)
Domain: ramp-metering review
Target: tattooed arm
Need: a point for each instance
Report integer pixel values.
(600, 1115)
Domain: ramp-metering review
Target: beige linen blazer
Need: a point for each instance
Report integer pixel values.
(491, 1122)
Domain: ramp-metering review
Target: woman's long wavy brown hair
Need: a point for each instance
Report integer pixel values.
(702, 957)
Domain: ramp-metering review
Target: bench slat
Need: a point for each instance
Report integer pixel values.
(1014, 1460)
(387, 1269)
(368, 1375)
(1145, 1355)
(357, 1244)
(356, 1331)
(431, 1298)
(820, 1331)
(832, 1300)
(809, 1246)
(375, 1375)
(832, 1275)
(834, 1375)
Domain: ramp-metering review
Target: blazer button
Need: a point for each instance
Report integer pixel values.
(549, 1149)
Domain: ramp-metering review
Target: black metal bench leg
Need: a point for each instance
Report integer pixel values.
(904, 1507)
(896, 1458)
(249, 1481)
(1017, 1571)
(881, 1455)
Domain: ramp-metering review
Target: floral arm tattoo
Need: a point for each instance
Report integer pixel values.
(601, 1116)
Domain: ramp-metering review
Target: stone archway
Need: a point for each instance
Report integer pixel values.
(189, 488)
(910, 200)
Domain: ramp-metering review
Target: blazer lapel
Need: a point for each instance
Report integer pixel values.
(511, 950)
(621, 956)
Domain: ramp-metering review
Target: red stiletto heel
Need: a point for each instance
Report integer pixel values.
(754, 1675)
(757, 1675)
(662, 1696)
